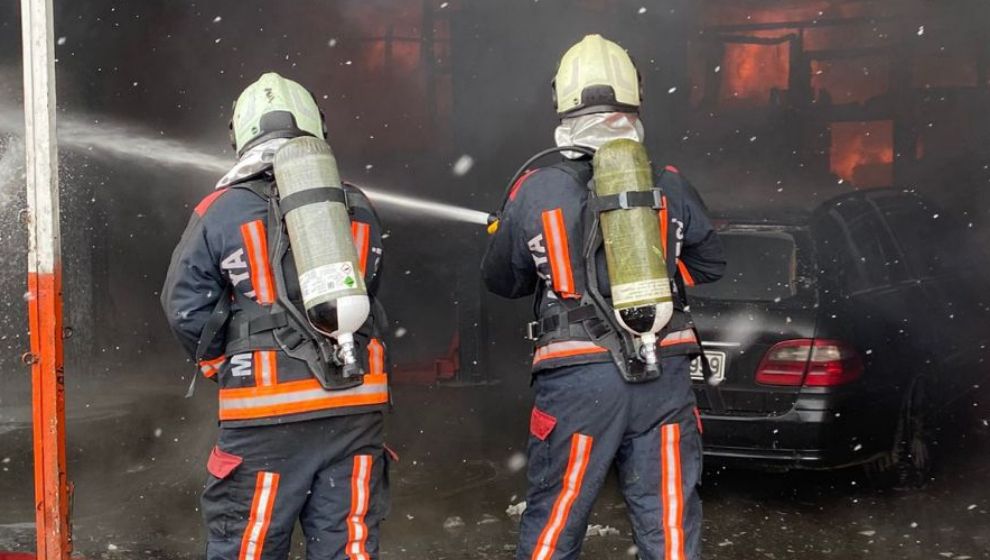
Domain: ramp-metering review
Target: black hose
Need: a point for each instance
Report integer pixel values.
(556, 149)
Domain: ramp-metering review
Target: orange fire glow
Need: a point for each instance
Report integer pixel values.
(751, 71)
(863, 152)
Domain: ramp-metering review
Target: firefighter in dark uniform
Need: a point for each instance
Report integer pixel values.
(289, 449)
(586, 416)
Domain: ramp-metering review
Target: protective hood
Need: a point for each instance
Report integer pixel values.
(254, 162)
(593, 131)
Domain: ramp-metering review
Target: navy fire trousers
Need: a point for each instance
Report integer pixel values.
(329, 473)
(585, 419)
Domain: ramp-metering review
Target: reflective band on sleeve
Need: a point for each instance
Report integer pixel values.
(294, 397)
(265, 368)
(685, 273)
(256, 246)
(679, 337)
(570, 489)
(357, 529)
(555, 231)
(566, 349)
(210, 368)
(253, 543)
(664, 223)
(671, 491)
(362, 239)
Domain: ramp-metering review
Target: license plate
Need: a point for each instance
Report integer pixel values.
(717, 361)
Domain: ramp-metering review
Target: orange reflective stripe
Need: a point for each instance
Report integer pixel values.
(205, 204)
(679, 337)
(362, 240)
(357, 530)
(295, 397)
(558, 252)
(209, 368)
(265, 368)
(577, 464)
(685, 273)
(376, 357)
(253, 543)
(566, 349)
(256, 246)
(519, 183)
(664, 223)
(671, 491)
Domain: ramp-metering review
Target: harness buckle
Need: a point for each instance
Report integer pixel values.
(531, 330)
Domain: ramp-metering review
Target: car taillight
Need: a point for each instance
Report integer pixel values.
(813, 363)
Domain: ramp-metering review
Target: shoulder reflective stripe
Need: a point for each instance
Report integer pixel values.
(357, 530)
(376, 357)
(566, 349)
(519, 183)
(685, 273)
(256, 245)
(664, 223)
(362, 239)
(671, 491)
(555, 231)
(265, 368)
(577, 464)
(208, 201)
(209, 368)
(296, 397)
(265, 490)
(679, 337)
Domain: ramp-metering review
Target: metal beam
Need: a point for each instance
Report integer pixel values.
(45, 282)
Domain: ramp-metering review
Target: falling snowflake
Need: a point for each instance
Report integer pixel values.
(463, 165)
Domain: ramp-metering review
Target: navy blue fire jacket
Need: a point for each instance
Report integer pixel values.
(224, 250)
(539, 244)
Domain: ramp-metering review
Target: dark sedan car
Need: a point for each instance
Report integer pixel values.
(840, 337)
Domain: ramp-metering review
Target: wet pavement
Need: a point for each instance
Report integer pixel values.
(137, 481)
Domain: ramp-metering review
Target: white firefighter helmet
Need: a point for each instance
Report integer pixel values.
(596, 76)
(274, 107)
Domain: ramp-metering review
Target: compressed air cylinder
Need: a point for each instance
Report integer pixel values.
(637, 269)
(330, 280)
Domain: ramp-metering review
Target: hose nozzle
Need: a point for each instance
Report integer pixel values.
(493, 221)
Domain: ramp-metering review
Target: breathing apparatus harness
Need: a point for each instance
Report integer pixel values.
(280, 326)
(592, 316)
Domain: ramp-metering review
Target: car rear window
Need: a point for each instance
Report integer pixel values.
(761, 266)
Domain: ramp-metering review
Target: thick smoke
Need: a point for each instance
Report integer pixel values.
(412, 91)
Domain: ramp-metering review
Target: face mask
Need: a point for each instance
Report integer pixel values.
(594, 130)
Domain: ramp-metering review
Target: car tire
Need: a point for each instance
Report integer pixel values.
(908, 464)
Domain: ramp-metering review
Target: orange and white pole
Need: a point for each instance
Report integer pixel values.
(45, 282)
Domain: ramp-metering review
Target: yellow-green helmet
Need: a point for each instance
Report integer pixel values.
(596, 76)
(274, 107)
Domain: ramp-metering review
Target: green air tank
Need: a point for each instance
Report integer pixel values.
(637, 269)
(332, 286)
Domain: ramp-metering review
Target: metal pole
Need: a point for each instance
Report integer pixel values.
(45, 282)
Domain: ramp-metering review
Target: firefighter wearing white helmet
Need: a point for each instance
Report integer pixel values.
(274, 107)
(612, 352)
(301, 416)
(596, 76)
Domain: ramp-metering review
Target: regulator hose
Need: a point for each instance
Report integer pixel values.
(494, 217)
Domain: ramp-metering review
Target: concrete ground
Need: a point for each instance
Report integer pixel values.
(137, 479)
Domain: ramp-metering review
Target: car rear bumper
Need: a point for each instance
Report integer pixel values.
(819, 432)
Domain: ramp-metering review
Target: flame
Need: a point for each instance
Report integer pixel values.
(751, 71)
(863, 152)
